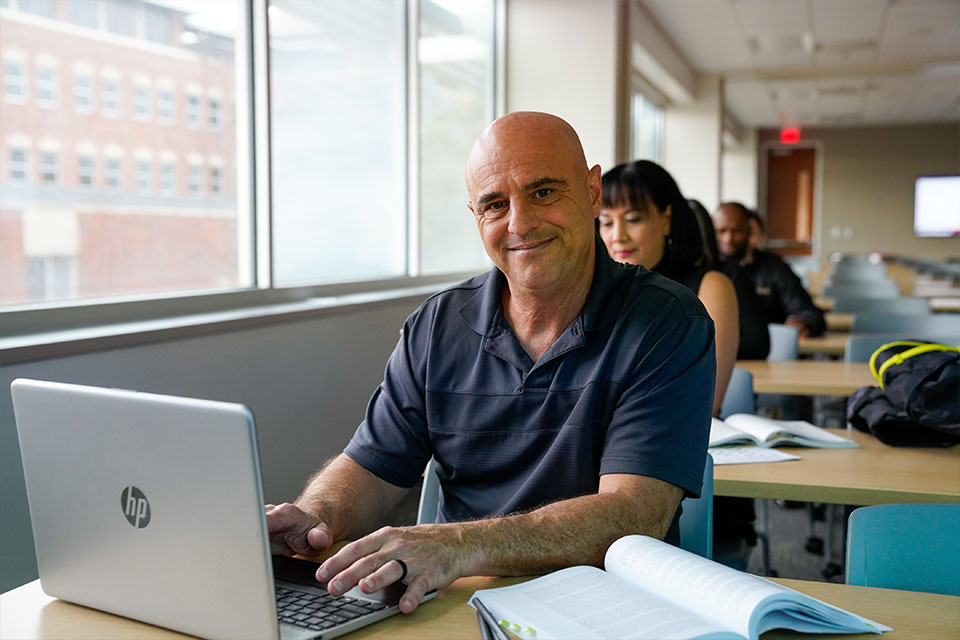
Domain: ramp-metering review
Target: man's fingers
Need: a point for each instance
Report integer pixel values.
(413, 595)
(386, 575)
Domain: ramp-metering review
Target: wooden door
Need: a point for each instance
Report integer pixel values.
(790, 199)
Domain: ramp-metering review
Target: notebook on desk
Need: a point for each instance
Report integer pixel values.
(151, 507)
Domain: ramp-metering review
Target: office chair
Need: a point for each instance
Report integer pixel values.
(872, 289)
(915, 547)
(916, 306)
(907, 325)
(696, 519)
(860, 348)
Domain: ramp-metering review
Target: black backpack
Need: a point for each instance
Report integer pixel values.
(918, 400)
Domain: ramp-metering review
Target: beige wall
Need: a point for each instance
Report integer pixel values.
(691, 143)
(868, 181)
(562, 58)
(738, 163)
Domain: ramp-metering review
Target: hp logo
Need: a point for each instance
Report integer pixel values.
(135, 507)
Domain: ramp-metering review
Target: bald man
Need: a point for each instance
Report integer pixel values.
(783, 299)
(565, 397)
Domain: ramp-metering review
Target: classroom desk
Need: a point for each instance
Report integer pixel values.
(838, 321)
(29, 614)
(873, 474)
(808, 377)
(829, 344)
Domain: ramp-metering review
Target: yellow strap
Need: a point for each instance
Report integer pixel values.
(873, 358)
(903, 355)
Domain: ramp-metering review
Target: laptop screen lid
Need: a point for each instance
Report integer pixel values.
(148, 506)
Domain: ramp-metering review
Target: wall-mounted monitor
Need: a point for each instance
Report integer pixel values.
(936, 207)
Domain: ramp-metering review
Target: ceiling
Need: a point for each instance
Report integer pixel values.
(817, 63)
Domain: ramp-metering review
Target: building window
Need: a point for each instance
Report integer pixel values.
(144, 177)
(19, 166)
(49, 168)
(646, 123)
(214, 111)
(51, 277)
(165, 106)
(159, 24)
(113, 174)
(142, 110)
(85, 14)
(122, 17)
(110, 98)
(48, 87)
(86, 171)
(38, 7)
(216, 180)
(83, 93)
(14, 81)
(193, 111)
(167, 179)
(195, 180)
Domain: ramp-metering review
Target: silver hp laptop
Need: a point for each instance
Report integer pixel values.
(150, 507)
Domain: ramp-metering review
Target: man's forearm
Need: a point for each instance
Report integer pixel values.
(348, 498)
(569, 532)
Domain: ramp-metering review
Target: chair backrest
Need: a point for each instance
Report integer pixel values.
(696, 519)
(860, 348)
(858, 271)
(915, 547)
(914, 306)
(739, 397)
(931, 324)
(429, 494)
(783, 342)
(872, 289)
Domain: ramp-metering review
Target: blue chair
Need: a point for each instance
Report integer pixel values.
(783, 342)
(696, 519)
(870, 289)
(860, 348)
(915, 547)
(739, 397)
(881, 305)
(933, 324)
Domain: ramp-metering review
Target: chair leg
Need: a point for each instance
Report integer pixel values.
(763, 536)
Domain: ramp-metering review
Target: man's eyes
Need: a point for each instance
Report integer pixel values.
(543, 192)
(495, 209)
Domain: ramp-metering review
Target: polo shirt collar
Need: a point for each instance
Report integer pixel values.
(601, 308)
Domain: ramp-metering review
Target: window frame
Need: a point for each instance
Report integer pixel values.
(31, 329)
(23, 166)
(41, 84)
(22, 82)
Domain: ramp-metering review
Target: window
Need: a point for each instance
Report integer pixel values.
(144, 177)
(38, 7)
(165, 106)
(195, 179)
(51, 277)
(19, 166)
(216, 185)
(110, 98)
(167, 178)
(213, 108)
(646, 123)
(122, 17)
(142, 110)
(113, 174)
(48, 87)
(49, 168)
(85, 14)
(159, 24)
(86, 171)
(193, 111)
(14, 81)
(83, 93)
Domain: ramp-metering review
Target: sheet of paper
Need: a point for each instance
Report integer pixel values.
(748, 455)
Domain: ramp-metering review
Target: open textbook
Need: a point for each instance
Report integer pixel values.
(744, 428)
(651, 589)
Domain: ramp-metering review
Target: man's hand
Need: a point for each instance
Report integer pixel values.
(797, 323)
(293, 531)
(434, 555)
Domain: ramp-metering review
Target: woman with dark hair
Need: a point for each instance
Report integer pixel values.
(645, 220)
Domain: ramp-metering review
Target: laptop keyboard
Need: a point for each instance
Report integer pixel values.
(318, 610)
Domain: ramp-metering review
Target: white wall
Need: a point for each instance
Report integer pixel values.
(307, 382)
(739, 171)
(562, 59)
(692, 140)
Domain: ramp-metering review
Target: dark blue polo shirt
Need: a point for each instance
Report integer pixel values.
(627, 388)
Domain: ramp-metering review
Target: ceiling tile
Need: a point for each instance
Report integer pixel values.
(848, 20)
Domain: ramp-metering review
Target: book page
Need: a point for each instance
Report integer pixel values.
(767, 429)
(720, 593)
(586, 602)
(761, 428)
(748, 455)
(722, 433)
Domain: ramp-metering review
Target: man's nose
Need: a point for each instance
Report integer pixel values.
(523, 218)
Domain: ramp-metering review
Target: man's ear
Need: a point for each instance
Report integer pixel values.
(470, 207)
(595, 187)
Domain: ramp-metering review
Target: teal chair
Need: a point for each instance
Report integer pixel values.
(696, 519)
(739, 397)
(783, 342)
(878, 289)
(856, 304)
(933, 324)
(915, 547)
(860, 348)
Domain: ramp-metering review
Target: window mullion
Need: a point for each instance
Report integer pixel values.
(261, 196)
(413, 138)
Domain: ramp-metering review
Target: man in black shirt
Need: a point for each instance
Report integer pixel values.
(783, 299)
